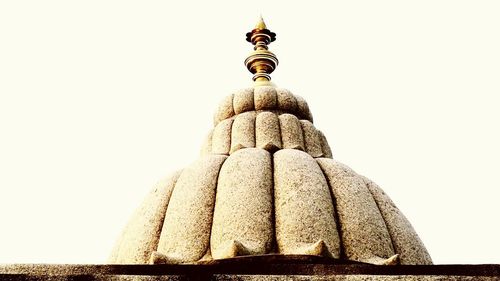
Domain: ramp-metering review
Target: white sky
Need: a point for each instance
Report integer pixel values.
(100, 99)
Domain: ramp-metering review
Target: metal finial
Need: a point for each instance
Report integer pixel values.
(261, 62)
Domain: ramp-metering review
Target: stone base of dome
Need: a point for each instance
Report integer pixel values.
(268, 259)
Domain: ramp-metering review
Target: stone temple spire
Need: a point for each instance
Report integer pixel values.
(261, 62)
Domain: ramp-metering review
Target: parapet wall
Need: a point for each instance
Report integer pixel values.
(250, 271)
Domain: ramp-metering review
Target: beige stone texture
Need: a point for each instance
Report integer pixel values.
(303, 109)
(230, 249)
(404, 238)
(243, 222)
(186, 231)
(325, 147)
(364, 235)
(312, 139)
(206, 147)
(286, 100)
(243, 131)
(140, 237)
(243, 101)
(304, 210)
(221, 137)
(318, 248)
(267, 131)
(159, 258)
(207, 257)
(291, 132)
(288, 204)
(225, 109)
(265, 97)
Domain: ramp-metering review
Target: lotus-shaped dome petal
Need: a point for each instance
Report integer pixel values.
(266, 183)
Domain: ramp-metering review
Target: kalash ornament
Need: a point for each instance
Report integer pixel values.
(261, 62)
(266, 186)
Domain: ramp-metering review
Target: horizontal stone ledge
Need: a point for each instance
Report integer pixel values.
(299, 265)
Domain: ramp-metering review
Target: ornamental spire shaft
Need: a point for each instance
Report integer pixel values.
(261, 62)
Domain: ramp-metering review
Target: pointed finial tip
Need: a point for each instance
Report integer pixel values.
(261, 24)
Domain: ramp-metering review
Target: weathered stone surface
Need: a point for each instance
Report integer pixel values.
(235, 271)
(243, 222)
(267, 131)
(327, 152)
(130, 278)
(140, 237)
(231, 249)
(404, 238)
(291, 132)
(312, 139)
(188, 220)
(303, 109)
(303, 204)
(206, 147)
(242, 277)
(221, 137)
(364, 235)
(243, 131)
(259, 119)
(225, 109)
(318, 248)
(286, 100)
(265, 97)
(243, 101)
(320, 277)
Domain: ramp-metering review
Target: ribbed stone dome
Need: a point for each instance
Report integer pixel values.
(266, 183)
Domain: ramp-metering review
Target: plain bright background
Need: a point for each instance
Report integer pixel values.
(100, 99)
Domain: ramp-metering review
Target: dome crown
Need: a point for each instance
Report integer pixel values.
(265, 117)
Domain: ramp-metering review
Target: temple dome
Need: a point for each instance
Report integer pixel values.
(266, 183)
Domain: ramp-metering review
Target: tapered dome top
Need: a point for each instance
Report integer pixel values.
(266, 184)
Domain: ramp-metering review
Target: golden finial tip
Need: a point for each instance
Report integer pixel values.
(261, 24)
